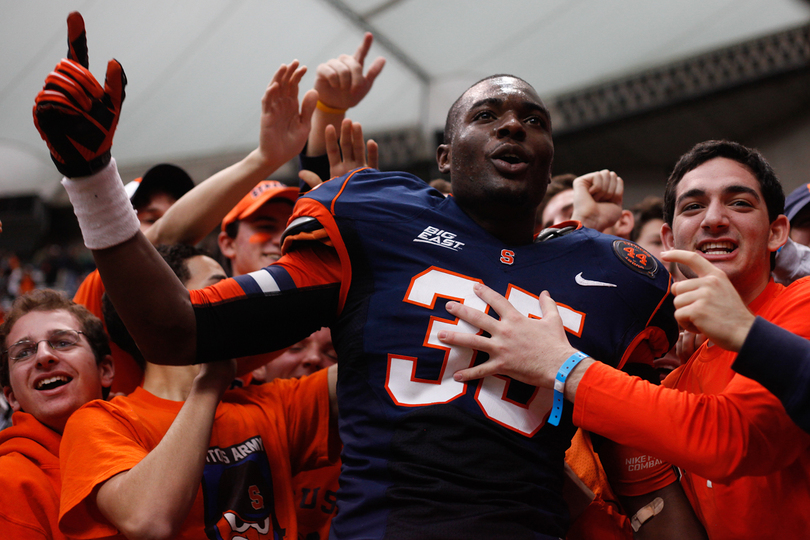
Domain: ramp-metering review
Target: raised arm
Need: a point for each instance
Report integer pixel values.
(598, 203)
(202, 208)
(76, 117)
(341, 85)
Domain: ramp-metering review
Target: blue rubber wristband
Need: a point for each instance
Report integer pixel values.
(559, 386)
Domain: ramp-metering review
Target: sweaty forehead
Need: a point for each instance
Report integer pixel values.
(502, 87)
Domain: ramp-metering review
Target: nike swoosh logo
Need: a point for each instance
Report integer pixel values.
(589, 283)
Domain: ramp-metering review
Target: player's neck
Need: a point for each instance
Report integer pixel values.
(169, 382)
(513, 232)
(510, 221)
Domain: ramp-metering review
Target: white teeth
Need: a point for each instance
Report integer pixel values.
(715, 248)
(50, 380)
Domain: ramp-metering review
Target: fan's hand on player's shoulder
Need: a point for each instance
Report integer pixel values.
(345, 154)
(283, 128)
(74, 115)
(529, 350)
(598, 199)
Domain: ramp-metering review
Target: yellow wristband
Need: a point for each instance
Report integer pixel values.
(328, 109)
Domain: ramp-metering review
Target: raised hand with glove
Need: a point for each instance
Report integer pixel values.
(74, 115)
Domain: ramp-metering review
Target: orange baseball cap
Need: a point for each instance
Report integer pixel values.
(258, 197)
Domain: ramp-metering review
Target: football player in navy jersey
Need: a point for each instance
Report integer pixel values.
(376, 256)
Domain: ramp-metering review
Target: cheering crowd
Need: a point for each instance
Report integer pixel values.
(367, 358)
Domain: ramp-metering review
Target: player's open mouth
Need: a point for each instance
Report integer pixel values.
(510, 158)
(717, 248)
(53, 382)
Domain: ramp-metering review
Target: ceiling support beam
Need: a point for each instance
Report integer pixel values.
(382, 39)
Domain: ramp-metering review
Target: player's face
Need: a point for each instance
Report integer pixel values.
(650, 237)
(304, 358)
(258, 242)
(51, 384)
(158, 204)
(501, 150)
(720, 213)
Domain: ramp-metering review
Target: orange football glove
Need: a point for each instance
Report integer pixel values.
(74, 115)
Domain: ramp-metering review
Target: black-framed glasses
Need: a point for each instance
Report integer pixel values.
(59, 341)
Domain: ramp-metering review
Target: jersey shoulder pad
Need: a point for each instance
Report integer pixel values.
(303, 228)
(374, 195)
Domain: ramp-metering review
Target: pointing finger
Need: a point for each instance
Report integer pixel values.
(362, 50)
(693, 260)
(77, 39)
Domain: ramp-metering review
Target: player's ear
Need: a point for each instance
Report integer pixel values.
(779, 232)
(443, 158)
(667, 238)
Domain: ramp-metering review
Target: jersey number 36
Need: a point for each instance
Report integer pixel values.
(406, 389)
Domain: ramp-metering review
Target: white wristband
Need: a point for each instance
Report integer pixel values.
(105, 214)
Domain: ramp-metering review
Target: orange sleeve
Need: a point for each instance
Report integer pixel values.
(98, 443)
(312, 264)
(719, 437)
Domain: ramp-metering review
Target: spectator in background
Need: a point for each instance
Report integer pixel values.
(251, 232)
(793, 260)
(648, 216)
(797, 211)
(594, 199)
(154, 193)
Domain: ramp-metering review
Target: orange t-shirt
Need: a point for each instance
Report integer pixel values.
(315, 494)
(262, 435)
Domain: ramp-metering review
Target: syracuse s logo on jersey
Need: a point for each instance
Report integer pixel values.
(507, 256)
(438, 237)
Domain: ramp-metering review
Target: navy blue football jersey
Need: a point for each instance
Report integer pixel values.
(425, 456)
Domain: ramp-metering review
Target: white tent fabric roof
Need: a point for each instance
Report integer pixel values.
(197, 68)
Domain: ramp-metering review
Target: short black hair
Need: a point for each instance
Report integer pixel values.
(771, 188)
